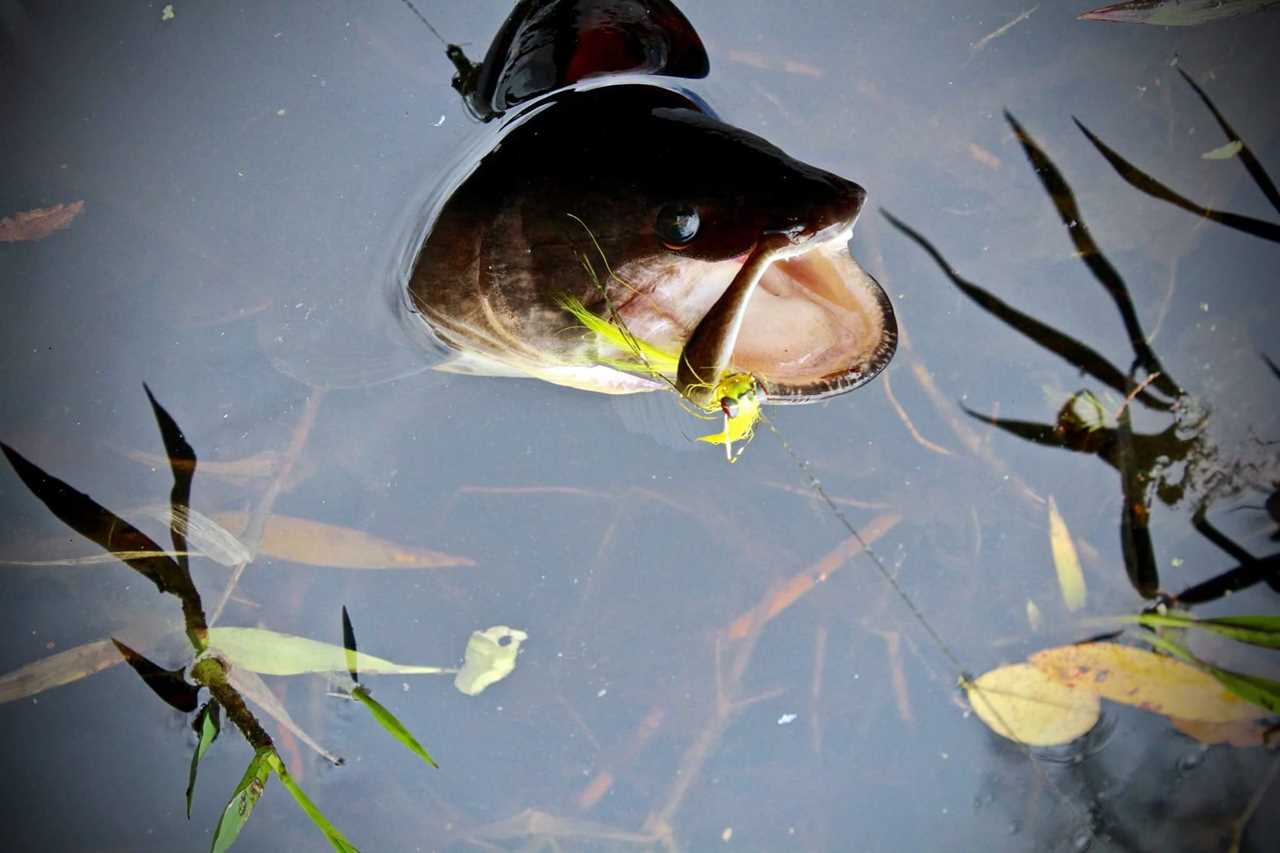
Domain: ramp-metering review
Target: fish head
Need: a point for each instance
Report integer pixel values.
(638, 202)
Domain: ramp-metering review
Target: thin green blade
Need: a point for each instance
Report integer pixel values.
(336, 838)
(243, 799)
(208, 724)
(389, 722)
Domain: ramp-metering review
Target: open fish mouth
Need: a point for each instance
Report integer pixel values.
(813, 324)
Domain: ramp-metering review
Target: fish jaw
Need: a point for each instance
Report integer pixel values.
(816, 324)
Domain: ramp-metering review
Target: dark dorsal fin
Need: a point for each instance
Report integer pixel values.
(547, 44)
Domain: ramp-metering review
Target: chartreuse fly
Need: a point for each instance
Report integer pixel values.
(738, 397)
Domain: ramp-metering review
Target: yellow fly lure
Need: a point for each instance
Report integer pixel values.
(738, 395)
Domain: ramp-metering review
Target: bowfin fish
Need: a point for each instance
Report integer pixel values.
(700, 240)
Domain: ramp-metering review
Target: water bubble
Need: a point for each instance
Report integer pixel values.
(1191, 761)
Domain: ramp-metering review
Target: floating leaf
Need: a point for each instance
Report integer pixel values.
(208, 724)
(1021, 703)
(243, 799)
(1145, 679)
(57, 670)
(1239, 733)
(168, 684)
(389, 722)
(314, 543)
(39, 223)
(1175, 13)
(488, 659)
(336, 838)
(1065, 560)
(1224, 152)
(204, 535)
(273, 653)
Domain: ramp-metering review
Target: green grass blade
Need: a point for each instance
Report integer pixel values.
(1261, 631)
(389, 722)
(208, 724)
(336, 838)
(243, 799)
(1262, 692)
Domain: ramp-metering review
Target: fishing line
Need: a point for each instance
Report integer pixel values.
(965, 678)
(419, 16)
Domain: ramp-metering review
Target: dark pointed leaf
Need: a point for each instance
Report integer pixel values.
(168, 684)
(1064, 201)
(1084, 358)
(349, 643)
(182, 461)
(389, 722)
(96, 523)
(1246, 155)
(1241, 577)
(208, 724)
(1135, 535)
(243, 799)
(1144, 183)
(331, 833)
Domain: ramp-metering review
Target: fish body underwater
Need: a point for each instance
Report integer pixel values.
(628, 199)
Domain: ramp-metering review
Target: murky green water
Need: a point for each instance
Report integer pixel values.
(251, 176)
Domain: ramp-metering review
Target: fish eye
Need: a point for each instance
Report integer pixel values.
(677, 224)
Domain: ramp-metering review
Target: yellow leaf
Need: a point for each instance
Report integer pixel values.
(1147, 680)
(314, 543)
(1065, 560)
(1239, 733)
(1021, 703)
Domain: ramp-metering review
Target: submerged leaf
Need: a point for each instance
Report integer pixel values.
(389, 722)
(208, 724)
(204, 535)
(57, 670)
(1175, 13)
(243, 799)
(1147, 680)
(314, 543)
(488, 659)
(331, 833)
(253, 688)
(273, 653)
(1021, 703)
(1065, 560)
(39, 223)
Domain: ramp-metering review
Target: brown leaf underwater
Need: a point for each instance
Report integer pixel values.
(314, 543)
(38, 223)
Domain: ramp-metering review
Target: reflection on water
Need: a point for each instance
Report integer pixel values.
(712, 659)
